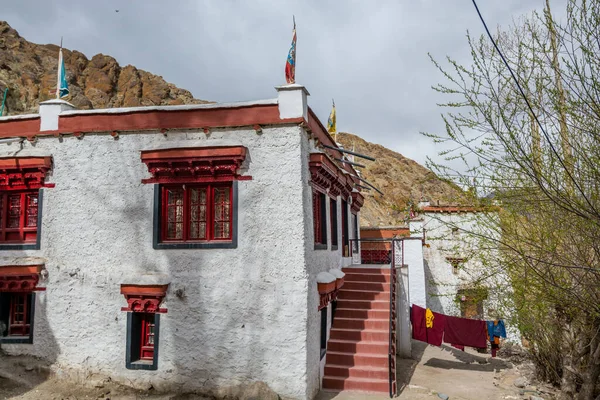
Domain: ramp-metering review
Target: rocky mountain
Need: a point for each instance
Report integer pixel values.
(400, 179)
(29, 72)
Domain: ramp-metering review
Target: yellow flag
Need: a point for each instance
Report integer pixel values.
(331, 126)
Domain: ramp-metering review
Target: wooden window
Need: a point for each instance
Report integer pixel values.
(19, 217)
(147, 336)
(333, 221)
(345, 231)
(16, 316)
(323, 331)
(355, 229)
(320, 220)
(194, 213)
(142, 340)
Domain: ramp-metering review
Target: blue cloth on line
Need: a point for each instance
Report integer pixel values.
(496, 330)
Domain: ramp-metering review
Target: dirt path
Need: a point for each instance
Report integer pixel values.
(457, 374)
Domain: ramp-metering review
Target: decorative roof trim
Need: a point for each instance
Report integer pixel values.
(200, 164)
(18, 173)
(20, 278)
(144, 298)
(358, 201)
(328, 176)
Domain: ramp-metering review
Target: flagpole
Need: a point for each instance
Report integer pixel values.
(334, 133)
(58, 69)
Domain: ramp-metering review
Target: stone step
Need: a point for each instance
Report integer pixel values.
(361, 314)
(370, 271)
(358, 346)
(358, 359)
(356, 334)
(370, 286)
(358, 384)
(345, 294)
(350, 323)
(352, 277)
(364, 304)
(343, 371)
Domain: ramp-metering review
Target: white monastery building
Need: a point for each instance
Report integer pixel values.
(175, 246)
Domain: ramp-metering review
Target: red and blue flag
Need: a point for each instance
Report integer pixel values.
(290, 65)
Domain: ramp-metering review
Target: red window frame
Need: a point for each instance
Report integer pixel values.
(319, 217)
(19, 315)
(190, 213)
(147, 336)
(333, 222)
(19, 216)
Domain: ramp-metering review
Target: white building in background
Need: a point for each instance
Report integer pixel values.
(460, 276)
(174, 246)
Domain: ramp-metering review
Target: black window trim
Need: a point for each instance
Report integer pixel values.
(137, 364)
(22, 339)
(37, 244)
(157, 221)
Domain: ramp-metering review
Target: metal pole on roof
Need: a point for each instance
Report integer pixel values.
(368, 183)
(350, 152)
(350, 162)
(3, 102)
(362, 187)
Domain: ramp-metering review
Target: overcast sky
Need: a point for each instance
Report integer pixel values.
(371, 56)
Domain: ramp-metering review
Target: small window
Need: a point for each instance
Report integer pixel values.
(355, 229)
(319, 220)
(345, 230)
(16, 317)
(334, 226)
(323, 331)
(142, 340)
(196, 216)
(19, 218)
(455, 262)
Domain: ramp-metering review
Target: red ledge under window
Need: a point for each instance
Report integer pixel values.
(20, 278)
(188, 165)
(19, 173)
(144, 298)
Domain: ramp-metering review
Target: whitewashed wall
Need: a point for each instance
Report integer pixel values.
(244, 317)
(442, 284)
(317, 261)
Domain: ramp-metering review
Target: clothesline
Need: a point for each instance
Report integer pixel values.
(435, 328)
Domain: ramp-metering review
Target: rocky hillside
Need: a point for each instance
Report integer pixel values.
(400, 179)
(29, 72)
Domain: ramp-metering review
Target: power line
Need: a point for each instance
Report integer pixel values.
(531, 109)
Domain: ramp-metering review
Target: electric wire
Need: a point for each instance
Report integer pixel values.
(531, 110)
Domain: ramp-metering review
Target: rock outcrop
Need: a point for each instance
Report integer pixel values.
(401, 179)
(29, 72)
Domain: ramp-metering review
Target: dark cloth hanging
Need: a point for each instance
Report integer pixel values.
(431, 335)
(436, 333)
(465, 332)
(417, 319)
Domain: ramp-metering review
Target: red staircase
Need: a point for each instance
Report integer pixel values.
(359, 345)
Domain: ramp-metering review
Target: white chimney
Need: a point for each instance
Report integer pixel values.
(292, 100)
(49, 112)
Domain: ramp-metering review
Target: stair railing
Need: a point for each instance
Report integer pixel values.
(392, 335)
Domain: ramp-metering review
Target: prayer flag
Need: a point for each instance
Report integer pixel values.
(62, 88)
(290, 65)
